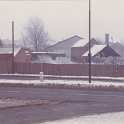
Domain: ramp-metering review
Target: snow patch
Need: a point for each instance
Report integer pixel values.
(109, 118)
(65, 81)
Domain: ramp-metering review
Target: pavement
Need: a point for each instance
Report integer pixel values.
(64, 104)
(53, 101)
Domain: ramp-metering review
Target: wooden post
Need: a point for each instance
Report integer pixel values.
(89, 55)
(13, 64)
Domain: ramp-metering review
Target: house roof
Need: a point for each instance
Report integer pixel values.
(84, 41)
(119, 48)
(65, 43)
(9, 50)
(81, 43)
(95, 49)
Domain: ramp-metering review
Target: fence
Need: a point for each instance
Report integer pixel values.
(69, 69)
(5, 63)
(62, 69)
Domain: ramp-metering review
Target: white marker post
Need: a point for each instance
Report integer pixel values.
(41, 76)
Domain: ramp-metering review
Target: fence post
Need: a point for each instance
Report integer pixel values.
(41, 76)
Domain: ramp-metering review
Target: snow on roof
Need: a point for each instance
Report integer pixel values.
(9, 51)
(66, 43)
(45, 52)
(95, 49)
(16, 50)
(48, 53)
(81, 43)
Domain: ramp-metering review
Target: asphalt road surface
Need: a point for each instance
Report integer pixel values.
(67, 103)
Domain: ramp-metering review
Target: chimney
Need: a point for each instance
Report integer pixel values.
(107, 39)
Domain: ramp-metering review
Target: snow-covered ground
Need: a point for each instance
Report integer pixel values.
(66, 82)
(110, 118)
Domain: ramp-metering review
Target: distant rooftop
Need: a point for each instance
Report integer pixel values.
(95, 49)
(67, 43)
(81, 43)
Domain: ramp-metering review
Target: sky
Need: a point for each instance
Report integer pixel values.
(64, 18)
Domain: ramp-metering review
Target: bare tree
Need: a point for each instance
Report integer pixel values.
(35, 35)
(1, 43)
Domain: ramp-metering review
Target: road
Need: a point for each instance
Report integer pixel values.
(70, 103)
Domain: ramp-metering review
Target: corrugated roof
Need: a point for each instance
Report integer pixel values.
(81, 43)
(95, 49)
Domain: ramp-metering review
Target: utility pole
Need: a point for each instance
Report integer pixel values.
(89, 55)
(13, 66)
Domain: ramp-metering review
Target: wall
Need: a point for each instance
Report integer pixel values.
(77, 52)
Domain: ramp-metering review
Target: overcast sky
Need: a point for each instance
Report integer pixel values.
(64, 18)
